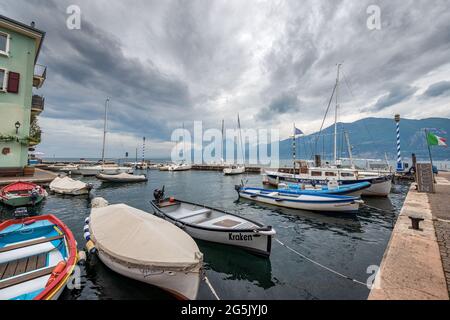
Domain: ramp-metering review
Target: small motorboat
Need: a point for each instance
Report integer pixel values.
(122, 177)
(143, 247)
(69, 186)
(354, 189)
(215, 225)
(234, 170)
(21, 194)
(37, 258)
(70, 168)
(180, 167)
(105, 168)
(294, 200)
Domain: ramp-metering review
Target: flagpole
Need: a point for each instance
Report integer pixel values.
(293, 149)
(429, 148)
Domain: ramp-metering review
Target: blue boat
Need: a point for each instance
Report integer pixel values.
(354, 189)
(302, 201)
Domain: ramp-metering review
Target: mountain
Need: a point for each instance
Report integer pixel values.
(372, 138)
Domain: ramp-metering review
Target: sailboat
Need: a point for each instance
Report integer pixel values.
(103, 167)
(381, 182)
(235, 169)
(182, 166)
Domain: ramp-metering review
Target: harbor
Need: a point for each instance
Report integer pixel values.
(167, 160)
(346, 243)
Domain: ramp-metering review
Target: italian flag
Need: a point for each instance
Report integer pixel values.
(434, 140)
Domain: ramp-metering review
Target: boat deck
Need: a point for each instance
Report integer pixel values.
(20, 266)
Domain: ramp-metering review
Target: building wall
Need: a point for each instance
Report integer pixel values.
(17, 107)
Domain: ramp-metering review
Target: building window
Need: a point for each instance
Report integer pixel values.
(3, 84)
(4, 44)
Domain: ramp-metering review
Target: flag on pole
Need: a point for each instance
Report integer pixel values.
(434, 140)
(297, 131)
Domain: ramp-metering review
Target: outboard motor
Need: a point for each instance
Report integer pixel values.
(34, 196)
(158, 194)
(21, 213)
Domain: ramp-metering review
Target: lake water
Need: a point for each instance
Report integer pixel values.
(348, 243)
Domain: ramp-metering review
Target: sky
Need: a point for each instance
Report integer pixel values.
(163, 63)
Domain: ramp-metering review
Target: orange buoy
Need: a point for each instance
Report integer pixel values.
(56, 272)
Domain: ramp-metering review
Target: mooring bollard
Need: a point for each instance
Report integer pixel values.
(415, 222)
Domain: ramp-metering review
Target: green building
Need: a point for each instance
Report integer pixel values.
(19, 50)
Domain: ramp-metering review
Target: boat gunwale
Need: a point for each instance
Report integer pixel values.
(260, 225)
(70, 244)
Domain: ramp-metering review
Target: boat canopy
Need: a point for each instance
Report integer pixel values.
(137, 237)
(67, 184)
(19, 186)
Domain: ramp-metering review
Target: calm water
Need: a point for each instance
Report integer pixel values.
(346, 243)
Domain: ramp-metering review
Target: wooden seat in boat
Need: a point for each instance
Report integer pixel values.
(30, 243)
(26, 277)
(190, 214)
(17, 267)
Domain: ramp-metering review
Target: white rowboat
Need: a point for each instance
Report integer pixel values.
(214, 225)
(121, 178)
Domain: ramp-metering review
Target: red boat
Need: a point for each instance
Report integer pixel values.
(21, 194)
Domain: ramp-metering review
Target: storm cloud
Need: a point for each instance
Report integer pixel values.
(164, 63)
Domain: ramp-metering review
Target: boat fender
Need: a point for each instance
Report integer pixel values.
(87, 236)
(29, 222)
(81, 257)
(86, 228)
(171, 199)
(90, 247)
(87, 220)
(56, 272)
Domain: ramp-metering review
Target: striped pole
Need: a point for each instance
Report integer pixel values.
(143, 150)
(399, 155)
(293, 148)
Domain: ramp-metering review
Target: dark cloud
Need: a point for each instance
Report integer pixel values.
(438, 89)
(287, 102)
(396, 95)
(167, 62)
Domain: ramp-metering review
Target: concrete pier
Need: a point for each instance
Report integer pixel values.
(416, 262)
(40, 176)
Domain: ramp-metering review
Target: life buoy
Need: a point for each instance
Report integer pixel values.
(56, 272)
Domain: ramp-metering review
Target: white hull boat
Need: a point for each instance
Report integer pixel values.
(71, 168)
(143, 247)
(213, 225)
(293, 200)
(69, 186)
(122, 178)
(94, 170)
(380, 184)
(234, 170)
(180, 167)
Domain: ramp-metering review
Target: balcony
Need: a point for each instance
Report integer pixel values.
(40, 74)
(37, 104)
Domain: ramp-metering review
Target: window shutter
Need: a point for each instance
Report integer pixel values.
(13, 82)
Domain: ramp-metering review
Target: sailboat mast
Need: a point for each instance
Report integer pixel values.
(104, 130)
(336, 113)
(240, 139)
(223, 140)
(349, 149)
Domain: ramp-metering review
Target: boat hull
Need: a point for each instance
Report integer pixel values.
(184, 285)
(351, 205)
(233, 171)
(117, 179)
(380, 187)
(248, 240)
(22, 201)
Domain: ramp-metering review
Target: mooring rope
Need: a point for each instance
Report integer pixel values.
(321, 265)
(211, 288)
